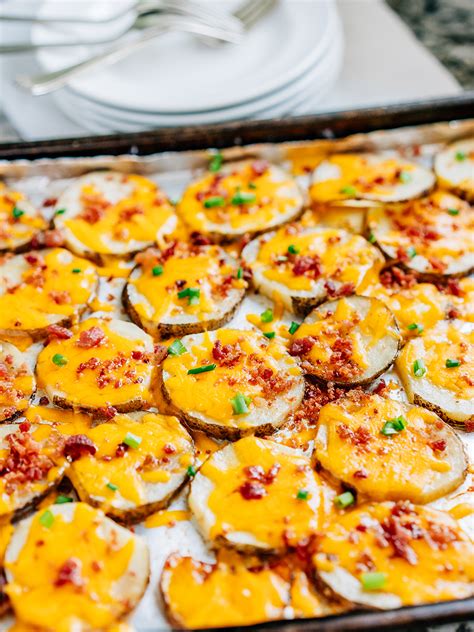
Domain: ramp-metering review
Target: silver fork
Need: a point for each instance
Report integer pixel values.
(247, 14)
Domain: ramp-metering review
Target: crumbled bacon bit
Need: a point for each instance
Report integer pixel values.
(359, 437)
(106, 412)
(44, 401)
(198, 239)
(259, 167)
(454, 288)
(453, 313)
(52, 238)
(362, 473)
(24, 462)
(95, 207)
(127, 214)
(169, 449)
(381, 388)
(57, 332)
(398, 529)
(137, 355)
(226, 355)
(252, 490)
(301, 346)
(92, 337)
(439, 536)
(160, 352)
(24, 426)
(346, 289)
(438, 446)
(257, 473)
(50, 202)
(121, 450)
(35, 259)
(397, 278)
(70, 573)
(77, 446)
(306, 265)
(60, 297)
(437, 264)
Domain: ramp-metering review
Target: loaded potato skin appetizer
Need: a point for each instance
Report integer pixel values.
(454, 167)
(20, 221)
(17, 382)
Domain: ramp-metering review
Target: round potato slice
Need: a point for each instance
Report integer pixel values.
(184, 290)
(131, 466)
(105, 363)
(32, 463)
(108, 213)
(432, 236)
(350, 341)
(232, 591)
(388, 555)
(39, 289)
(242, 198)
(89, 571)
(388, 450)
(230, 383)
(437, 368)
(257, 495)
(454, 167)
(368, 177)
(19, 221)
(305, 266)
(17, 382)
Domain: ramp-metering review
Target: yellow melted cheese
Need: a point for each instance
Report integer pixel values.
(274, 196)
(223, 594)
(279, 518)
(155, 214)
(81, 388)
(35, 598)
(440, 573)
(42, 309)
(166, 518)
(211, 393)
(13, 229)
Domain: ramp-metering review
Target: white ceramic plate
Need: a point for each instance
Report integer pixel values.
(177, 74)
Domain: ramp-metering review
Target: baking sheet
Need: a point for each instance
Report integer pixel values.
(46, 178)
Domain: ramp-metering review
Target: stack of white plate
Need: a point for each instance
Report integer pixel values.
(286, 63)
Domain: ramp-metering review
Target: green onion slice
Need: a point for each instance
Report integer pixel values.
(132, 440)
(177, 348)
(266, 316)
(293, 327)
(59, 360)
(302, 494)
(415, 327)
(46, 519)
(405, 177)
(215, 163)
(191, 471)
(61, 500)
(241, 197)
(269, 334)
(453, 211)
(240, 404)
(411, 252)
(394, 426)
(112, 486)
(293, 250)
(451, 364)
(349, 190)
(460, 156)
(214, 201)
(157, 270)
(419, 368)
(344, 500)
(373, 580)
(202, 369)
(17, 212)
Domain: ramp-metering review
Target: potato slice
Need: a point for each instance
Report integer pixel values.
(17, 382)
(368, 177)
(20, 221)
(388, 555)
(38, 289)
(88, 573)
(454, 168)
(232, 591)
(387, 450)
(350, 341)
(184, 290)
(109, 213)
(32, 465)
(305, 266)
(230, 383)
(257, 495)
(242, 198)
(136, 464)
(437, 368)
(432, 236)
(106, 363)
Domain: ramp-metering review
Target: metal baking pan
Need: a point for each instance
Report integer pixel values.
(161, 150)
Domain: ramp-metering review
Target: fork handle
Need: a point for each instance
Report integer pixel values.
(49, 82)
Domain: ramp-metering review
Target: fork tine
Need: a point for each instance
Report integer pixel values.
(251, 11)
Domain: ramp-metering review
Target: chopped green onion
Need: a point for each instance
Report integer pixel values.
(17, 212)
(293, 250)
(157, 270)
(419, 368)
(47, 519)
(132, 440)
(177, 348)
(302, 494)
(112, 486)
(240, 404)
(174, 201)
(191, 471)
(453, 211)
(393, 426)
(76, 270)
(372, 238)
(61, 500)
(240, 273)
(193, 295)
(405, 177)
(415, 327)
(269, 334)
(216, 162)
(293, 327)
(266, 316)
(460, 156)
(214, 201)
(348, 190)
(60, 211)
(252, 185)
(344, 500)
(59, 359)
(202, 369)
(241, 197)
(451, 364)
(373, 580)
(411, 252)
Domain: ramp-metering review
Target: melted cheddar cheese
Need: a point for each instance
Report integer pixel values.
(117, 371)
(245, 199)
(211, 393)
(19, 222)
(102, 555)
(229, 592)
(17, 382)
(55, 286)
(257, 493)
(420, 462)
(435, 563)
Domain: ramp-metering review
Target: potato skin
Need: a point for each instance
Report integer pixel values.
(466, 425)
(127, 407)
